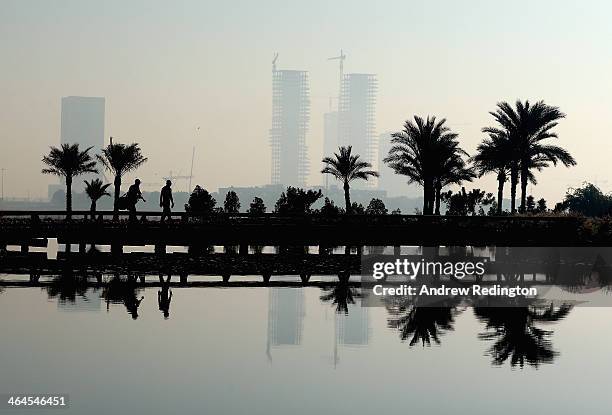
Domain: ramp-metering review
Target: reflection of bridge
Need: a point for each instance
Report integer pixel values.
(27, 229)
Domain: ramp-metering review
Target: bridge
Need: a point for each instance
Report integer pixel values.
(33, 228)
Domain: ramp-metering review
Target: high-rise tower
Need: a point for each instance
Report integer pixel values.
(357, 118)
(290, 119)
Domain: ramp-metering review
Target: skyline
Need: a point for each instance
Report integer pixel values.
(173, 69)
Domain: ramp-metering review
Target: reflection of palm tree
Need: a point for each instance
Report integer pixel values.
(120, 159)
(68, 162)
(67, 288)
(516, 336)
(95, 190)
(347, 167)
(340, 295)
(423, 324)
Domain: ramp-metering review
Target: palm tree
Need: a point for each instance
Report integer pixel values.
(95, 190)
(120, 159)
(347, 167)
(494, 155)
(527, 127)
(424, 152)
(68, 161)
(452, 170)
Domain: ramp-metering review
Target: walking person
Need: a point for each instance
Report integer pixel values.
(166, 201)
(133, 196)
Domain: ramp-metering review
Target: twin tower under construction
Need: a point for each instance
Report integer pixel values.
(353, 123)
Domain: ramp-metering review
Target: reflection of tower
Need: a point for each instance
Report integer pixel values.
(357, 117)
(285, 317)
(352, 329)
(290, 118)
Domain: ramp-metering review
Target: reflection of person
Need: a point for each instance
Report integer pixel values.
(131, 304)
(164, 297)
(166, 200)
(133, 196)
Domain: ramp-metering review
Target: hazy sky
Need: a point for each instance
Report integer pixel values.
(167, 67)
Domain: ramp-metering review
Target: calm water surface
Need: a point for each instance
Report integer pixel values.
(288, 351)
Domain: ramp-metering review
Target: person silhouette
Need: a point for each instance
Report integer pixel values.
(166, 201)
(133, 195)
(164, 297)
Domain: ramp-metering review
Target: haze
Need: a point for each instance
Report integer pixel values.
(166, 68)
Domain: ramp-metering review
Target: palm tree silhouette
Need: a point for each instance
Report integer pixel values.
(527, 127)
(120, 159)
(340, 295)
(423, 324)
(347, 167)
(95, 190)
(68, 161)
(516, 336)
(421, 152)
(452, 170)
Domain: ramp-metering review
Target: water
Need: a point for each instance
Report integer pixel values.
(283, 351)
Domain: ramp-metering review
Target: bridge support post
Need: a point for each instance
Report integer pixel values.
(160, 249)
(244, 249)
(25, 249)
(397, 250)
(266, 277)
(82, 248)
(183, 278)
(116, 249)
(305, 277)
(226, 277)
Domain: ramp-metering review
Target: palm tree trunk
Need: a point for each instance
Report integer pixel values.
(524, 179)
(513, 184)
(347, 197)
(501, 178)
(438, 191)
(117, 184)
(425, 198)
(69, 196)
(93, 209)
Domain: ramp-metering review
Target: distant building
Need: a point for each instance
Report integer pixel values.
(330, 137)
(83, 122)
(357, 119)
(394, 184)
(290, 119)
(330, 133)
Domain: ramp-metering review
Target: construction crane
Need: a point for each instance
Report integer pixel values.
(172, 178)
(340, 58)
(274, 62)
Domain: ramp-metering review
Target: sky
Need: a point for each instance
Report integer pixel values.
(166, 68)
